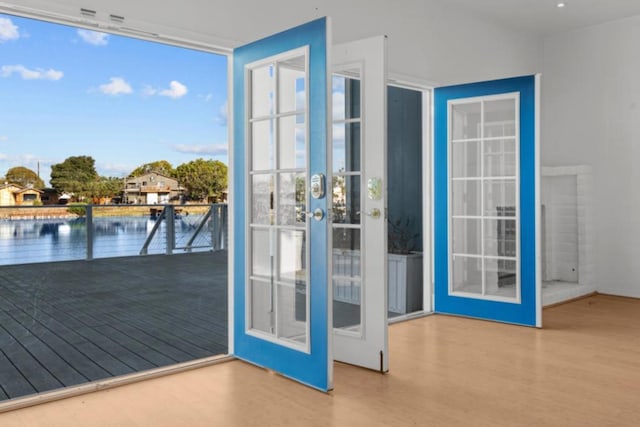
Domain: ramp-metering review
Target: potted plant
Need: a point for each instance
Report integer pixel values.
(405, 267)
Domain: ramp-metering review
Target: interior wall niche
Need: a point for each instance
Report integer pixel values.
(567, 234)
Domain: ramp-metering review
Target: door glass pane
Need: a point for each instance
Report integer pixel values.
(261, 306)
(291, 199)
(346, 147)
(500, 237)
(292, 150)
(346, 199)
(291, 255)
(499, 118)
(261, 252)
(346, 252)
(346, 305)
(467, 236)
(262, 91)
(262, 140)
(262, 199)
(500, 277)
(467, 274)
(465, 121)
(346, 96)
(292, 311)
(500, 158)
(500, 197)
(467, 198)
(291, 84)
(465, 157)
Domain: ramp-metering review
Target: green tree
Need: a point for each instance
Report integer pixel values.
(203, 179)
(76, 174)
(24, 177)
(161, 167)
(106, 186)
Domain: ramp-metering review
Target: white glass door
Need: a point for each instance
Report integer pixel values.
(358, 210)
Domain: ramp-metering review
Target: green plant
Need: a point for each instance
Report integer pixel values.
(401, 238)
(79, 209)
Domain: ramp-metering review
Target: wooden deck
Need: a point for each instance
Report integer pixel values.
(68, 323)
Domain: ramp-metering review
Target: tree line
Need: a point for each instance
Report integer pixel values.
(76, 175)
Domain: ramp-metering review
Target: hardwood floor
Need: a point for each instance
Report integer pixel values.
(582, 369)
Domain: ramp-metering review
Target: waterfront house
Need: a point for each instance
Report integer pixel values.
(16, 195)
(151, 188)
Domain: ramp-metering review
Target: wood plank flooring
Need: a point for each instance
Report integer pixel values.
(582, 369)
(68, 323)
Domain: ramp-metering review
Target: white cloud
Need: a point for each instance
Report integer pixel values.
(149, 91)
(208, 97)
(116, 86)
(29, 74)
(8, 30)
(114, 169)
(176, 90)
(3, 156)
(4, 138)
(223, 115)
(212, 149)
(94, 37)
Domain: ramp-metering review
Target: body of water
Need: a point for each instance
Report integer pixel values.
(46, 240)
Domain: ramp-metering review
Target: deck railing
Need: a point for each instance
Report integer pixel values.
(72, 232)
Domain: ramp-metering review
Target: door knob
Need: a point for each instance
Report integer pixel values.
(318, 214)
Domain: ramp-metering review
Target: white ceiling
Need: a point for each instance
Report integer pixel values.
(544, 17)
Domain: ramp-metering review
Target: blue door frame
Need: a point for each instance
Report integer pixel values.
(527, 311)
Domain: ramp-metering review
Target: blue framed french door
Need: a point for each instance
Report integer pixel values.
(280, 268)
(486, 201)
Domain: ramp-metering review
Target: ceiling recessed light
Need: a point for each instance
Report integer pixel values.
(561, 4)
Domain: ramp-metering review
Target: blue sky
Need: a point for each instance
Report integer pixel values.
(125, 102)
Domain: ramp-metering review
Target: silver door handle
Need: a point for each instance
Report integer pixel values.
(374, 213)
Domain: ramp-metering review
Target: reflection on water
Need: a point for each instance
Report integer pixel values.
(44, 240)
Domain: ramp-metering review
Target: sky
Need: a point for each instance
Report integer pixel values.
(125, 102)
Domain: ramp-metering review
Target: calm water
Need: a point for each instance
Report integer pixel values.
(44, 240)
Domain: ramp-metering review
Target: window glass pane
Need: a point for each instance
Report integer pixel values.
(261, 306)
(467, 274)
(500, 118)
(500, 197)
(500, 237)
(465, 121)
(346, 147)
(262, 199)
(500, 277)
(291, 199)
(262, 145)
(346, 305)
(346, 199)
(465, 158)
(292, 134)
(262, 87)
(291, 84)
(466, 198)
(467, 236)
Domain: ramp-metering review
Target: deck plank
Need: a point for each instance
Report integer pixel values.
(71, 322)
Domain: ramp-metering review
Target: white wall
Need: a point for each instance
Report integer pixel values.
(429, 40)
(591, 116)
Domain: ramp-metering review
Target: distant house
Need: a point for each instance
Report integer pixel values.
(16, 195)
(151, 188)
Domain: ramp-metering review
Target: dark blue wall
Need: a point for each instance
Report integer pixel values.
(404, 160)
